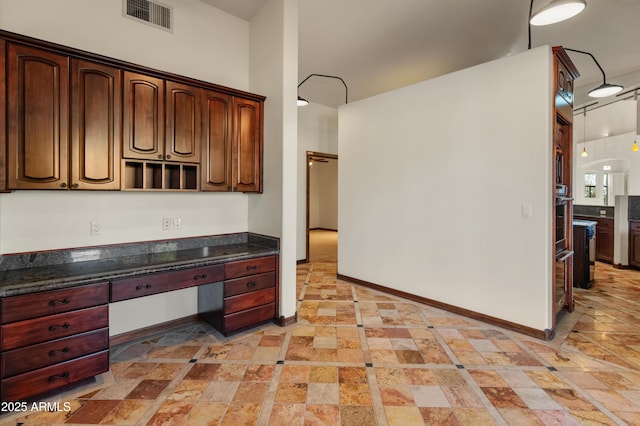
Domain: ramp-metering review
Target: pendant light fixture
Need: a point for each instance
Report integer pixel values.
(634, 148)
(557, 11)
(605, 89)
(584, 134)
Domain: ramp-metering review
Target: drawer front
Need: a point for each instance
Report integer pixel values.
(249, 317)
(144, 285)
(18, 308)
(250, 283)
(243, 268)
(604, 224)
(249, 300)
(38, 330)
(44, 354)
(36, 382)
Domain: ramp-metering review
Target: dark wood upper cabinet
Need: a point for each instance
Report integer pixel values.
(216, 141)
(37, 118)
(143, 117)
(247, 145)
(96, 126)
(182, 123)
(78, 120)
(3, 117)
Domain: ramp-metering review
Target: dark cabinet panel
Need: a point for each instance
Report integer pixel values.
(634, 244)
(96, 126)
(247, 159)
(143, 117)
(38, 102)
(216, 141)
(182, 123)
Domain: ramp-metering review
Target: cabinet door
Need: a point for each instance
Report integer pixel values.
(3, 118)
(143, 117)
(247, 149)
(183, 123)
(216, 141)
(95, 126)
(634, 248)
(38, 102)
(604, 243)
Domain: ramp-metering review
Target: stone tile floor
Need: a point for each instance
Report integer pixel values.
(361, 357)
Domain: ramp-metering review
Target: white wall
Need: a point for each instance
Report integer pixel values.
(207, 44)
(274, 73)
(433, 180)
(323, 195)
(317, 132)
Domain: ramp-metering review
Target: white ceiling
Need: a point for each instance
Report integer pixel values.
(381, 45)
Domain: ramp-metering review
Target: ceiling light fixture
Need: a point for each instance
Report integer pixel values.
(303, 102)
(584, 133)
(634, 148)
(556, 11)
(605, 89)
(553, 12)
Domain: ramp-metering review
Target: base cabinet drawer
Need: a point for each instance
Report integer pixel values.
(145, 285)
(32, 357)
(38, 330)
(249, 317)
(249, 300)
(248, 284)
(37, 382)
(18, 308)
(243, 268)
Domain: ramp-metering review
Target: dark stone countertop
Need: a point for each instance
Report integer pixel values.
(24, 273)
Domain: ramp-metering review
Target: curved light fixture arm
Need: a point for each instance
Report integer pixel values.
(346, 89)
(604, 77)
(529, 23)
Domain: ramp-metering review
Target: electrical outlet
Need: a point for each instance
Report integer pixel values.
(96, 228)
(177, 222)
(166, 224)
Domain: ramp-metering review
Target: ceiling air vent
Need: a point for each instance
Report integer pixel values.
(149, 12)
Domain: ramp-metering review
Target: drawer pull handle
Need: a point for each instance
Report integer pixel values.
(58, 376)
(200, 277)
(59, 302)
(55, 351)
(251, 284)
(140, 286)
(55, 327)
(253, 267)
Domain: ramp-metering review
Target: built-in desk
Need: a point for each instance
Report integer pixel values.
(54, 305)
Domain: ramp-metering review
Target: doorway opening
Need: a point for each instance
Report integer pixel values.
(322, 207)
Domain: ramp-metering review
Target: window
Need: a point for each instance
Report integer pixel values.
(590, 185)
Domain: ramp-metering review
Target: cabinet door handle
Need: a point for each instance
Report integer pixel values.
(200, 277)
(55, 351)
(167, 156)
(56, 327)
(74, 185)
(160, 156)
(140, 286)
(252, 267)
(251, 284)
(63, 185)
(59, 302)
(58, 376)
